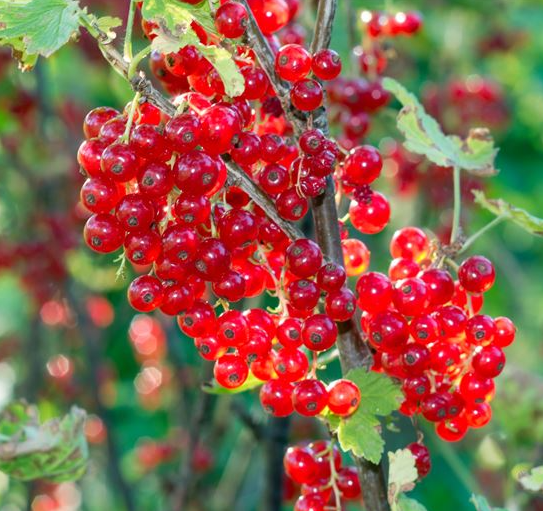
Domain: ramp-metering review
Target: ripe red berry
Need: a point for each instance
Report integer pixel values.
(411, 243)
(480, 330)
(306, 95)
(212, 259)
(89, 156)
(177, 299)
(230, 286)
(232, 329)
(374, 292)
(145, 293)
(331, 277)
(103, 233)
(410, 296)
(199, 320)
(348, 483)
(319, 332)
(184, 132)
(292, 62)
(505, 332)
(402, 268)
(300, 465)
(478, 415)
(303, 258)
(220, 124)
(489, 362)
(343, 397)
(326, 64)
(155, 179)
(388, 331)
(371, 214)
(96, 118)
(439, 284)
(422, 458)
(99, 195)
(120, 162)
(231, 19)
(271, 15)
(276, 398)
(142, 247)
(309, 397)
(362, 166)
(452, 430)
(134, 212)
(290, 364)
(476, 274)
(230, 371)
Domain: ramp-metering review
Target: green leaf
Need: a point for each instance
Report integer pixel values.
(37, 27)
(168, 41)
(423, 135)
(481, 504)
(402, 474)
(222, 61)
(55, 450)
(407, 504)
(175, 14)
(361, 432)
(107, 24)
(213, 387)
(521, 217)
(533, 480)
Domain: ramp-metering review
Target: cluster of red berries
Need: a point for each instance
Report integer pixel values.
(293, 63)
(324, 482)
(155, 191)
(40, 263)
(427, 331)
(381, 24)
(464, 103)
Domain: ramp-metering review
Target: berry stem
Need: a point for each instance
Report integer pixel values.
(127, 48)
(457, 205)
(334, 476)
(480, 232)
(130, 121)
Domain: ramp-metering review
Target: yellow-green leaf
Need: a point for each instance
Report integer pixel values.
(519, 216)
(423, 135)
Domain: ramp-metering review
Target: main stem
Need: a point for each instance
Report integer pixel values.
(455, 231)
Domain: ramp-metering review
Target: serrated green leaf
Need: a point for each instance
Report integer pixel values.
(37, 27)
(107, 23)
(407, 504)
(213, 387)
(55, 450)
(423, 135)
(361, 432)
(481, 504)
(521, 217)
(402, 474)
(174, 13)
(168, 41)
(222, 61)
(533, 480)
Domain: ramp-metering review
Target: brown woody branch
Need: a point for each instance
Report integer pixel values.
(353, 351)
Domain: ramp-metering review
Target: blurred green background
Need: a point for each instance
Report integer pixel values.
(68, 336)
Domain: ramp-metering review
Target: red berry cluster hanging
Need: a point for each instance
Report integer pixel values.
(323, 481)
(428, 332)
(381, 24)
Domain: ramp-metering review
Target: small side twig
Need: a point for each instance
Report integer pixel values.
(200, 414)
